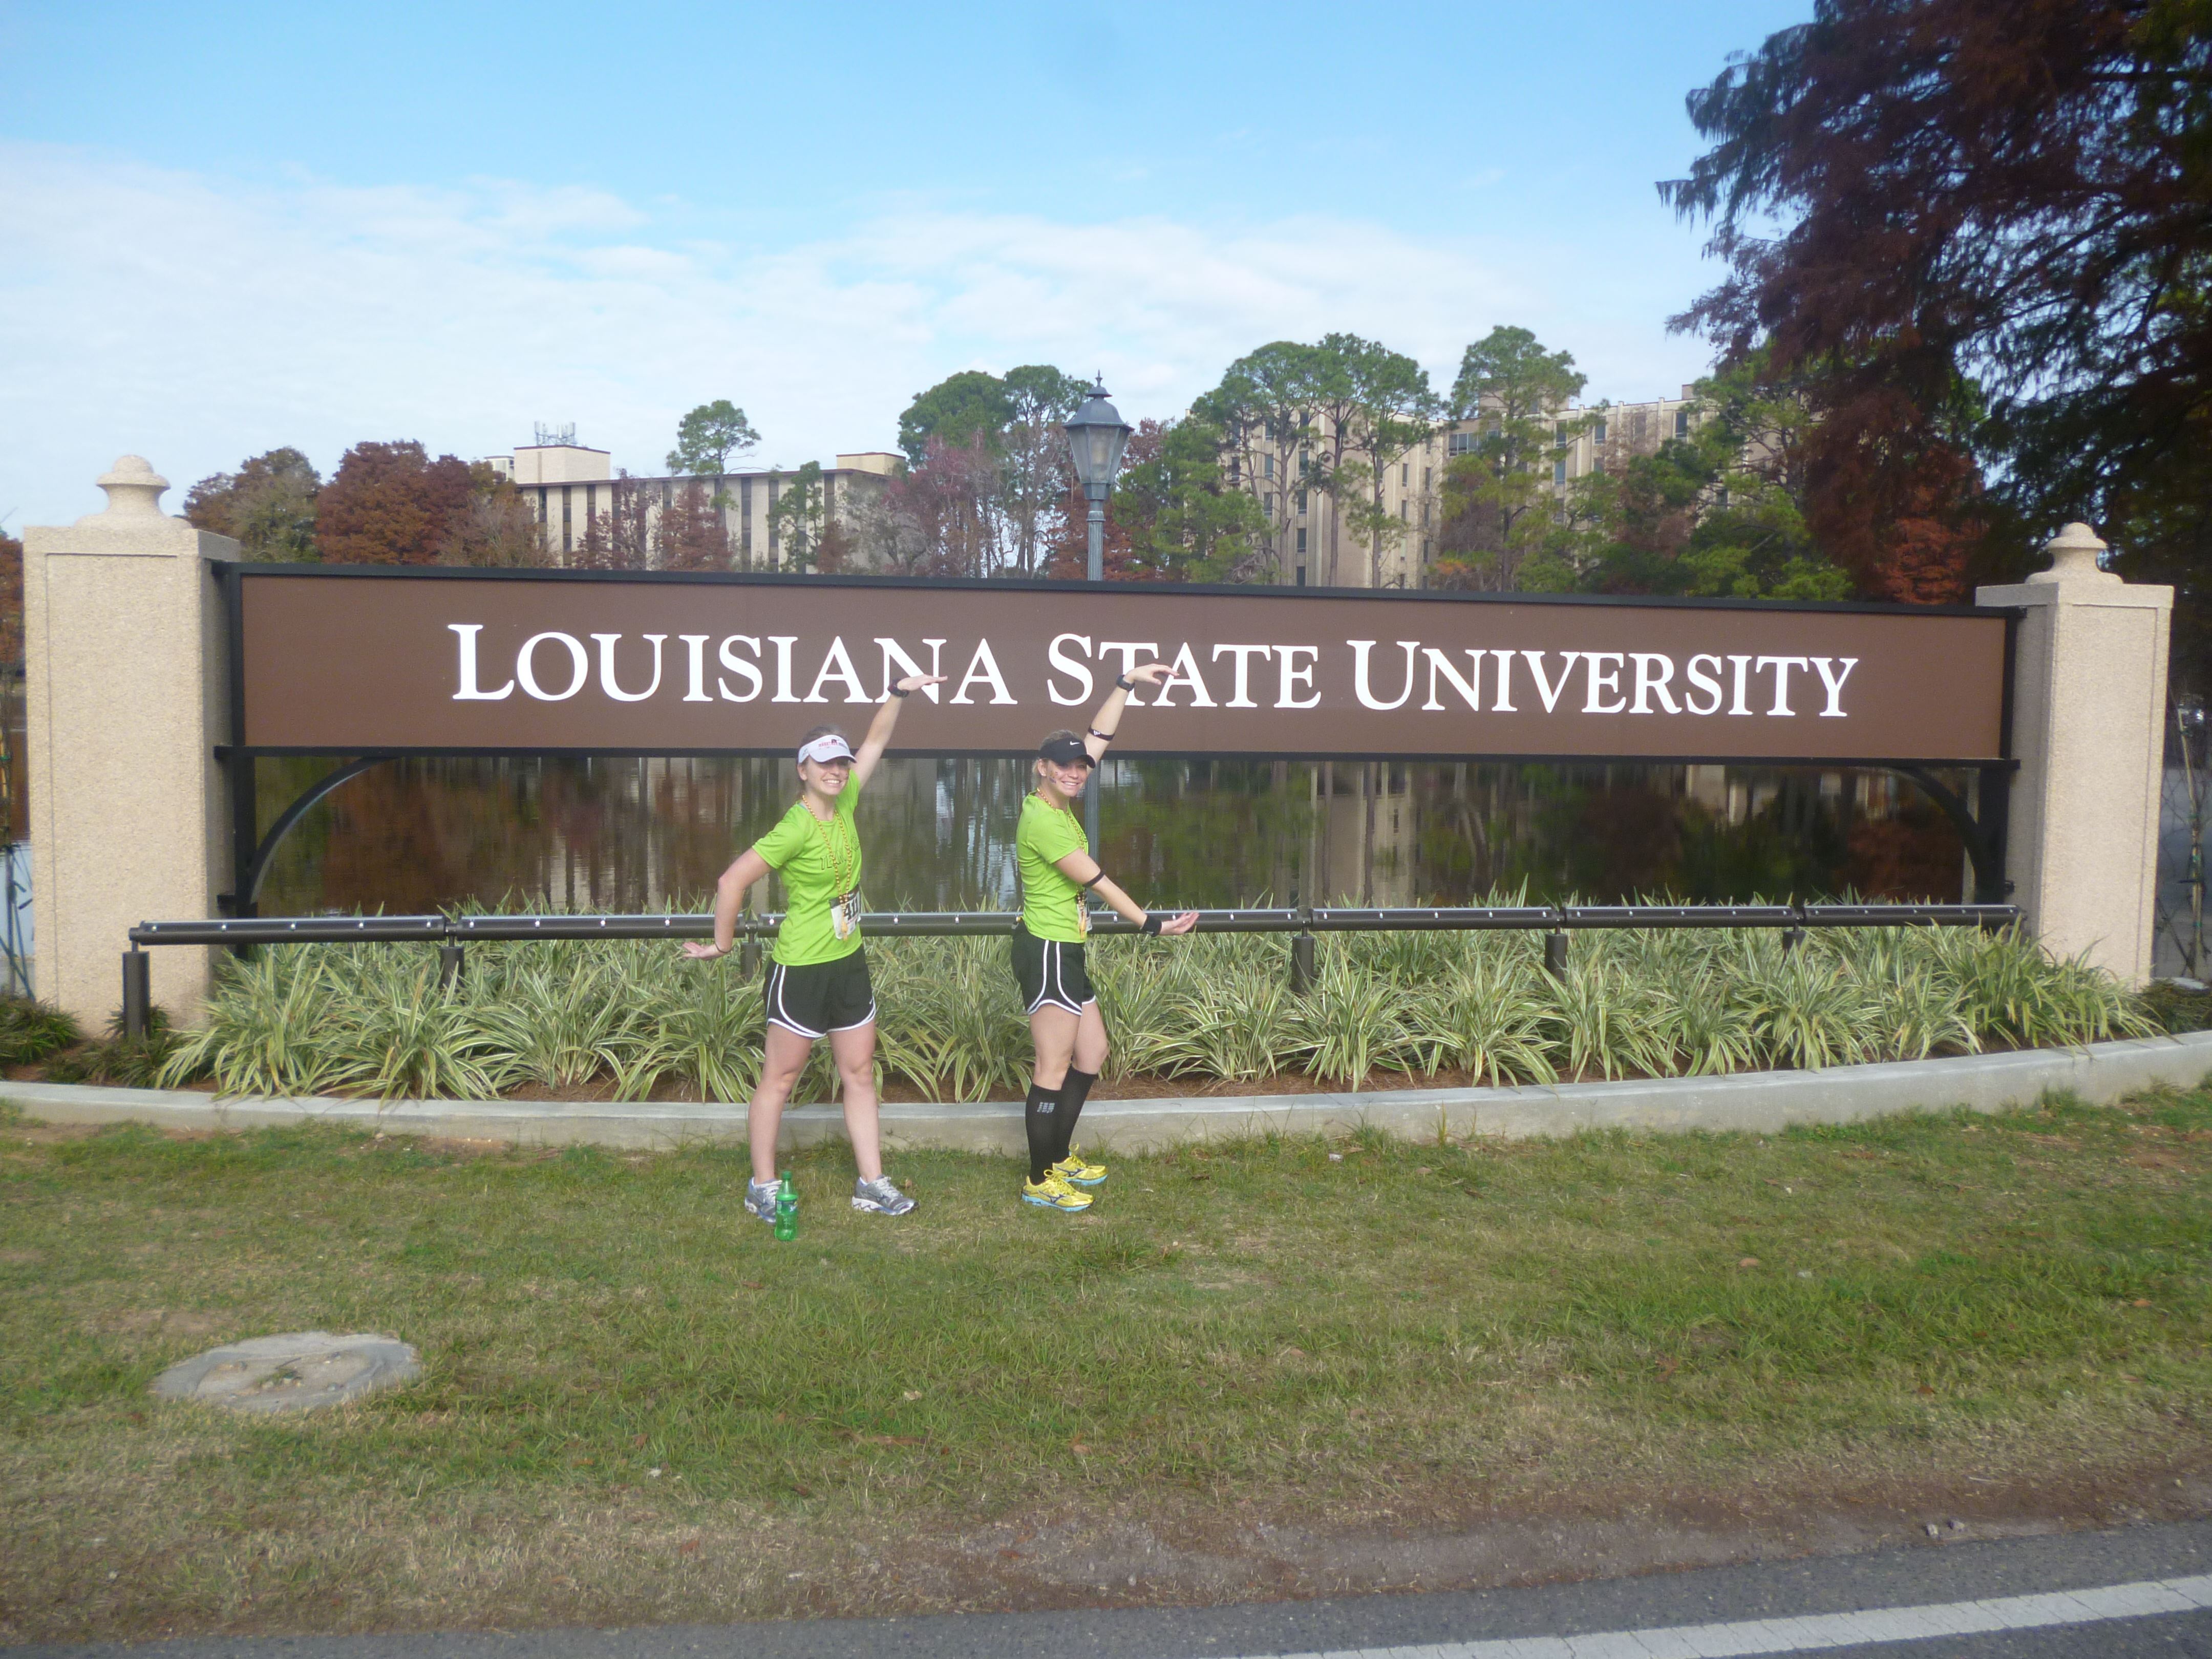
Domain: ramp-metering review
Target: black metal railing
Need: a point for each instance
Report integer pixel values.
(453, 934)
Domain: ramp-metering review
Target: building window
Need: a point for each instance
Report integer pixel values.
(567, 519)
(1560, 436)
(1302, 503)
(1301, 538)
(1301, 575)
(1682, 422)
(1428, 473)
(1463, 443)
(745, 520)
(1424, 513)
(1405, 473)
(1270, 499)
(1405, 510)
(1559, 472)
(1305, 462)
(1267, 466)
(775, 529)
(1597, 430)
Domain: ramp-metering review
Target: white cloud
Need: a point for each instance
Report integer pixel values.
(197, 321)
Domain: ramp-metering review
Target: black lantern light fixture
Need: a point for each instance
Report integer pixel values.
(1097, 436)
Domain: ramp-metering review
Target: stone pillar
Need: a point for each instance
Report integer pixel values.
(127, 696)
(2088, 727)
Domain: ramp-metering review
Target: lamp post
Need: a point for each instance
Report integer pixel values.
(1097, 436)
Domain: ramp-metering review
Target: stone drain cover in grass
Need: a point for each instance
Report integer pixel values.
(294, 1373)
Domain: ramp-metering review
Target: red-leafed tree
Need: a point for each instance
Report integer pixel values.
(942, 517)
(390, 503)
(1971, 228)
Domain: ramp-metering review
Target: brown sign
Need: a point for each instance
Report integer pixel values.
(350, 663)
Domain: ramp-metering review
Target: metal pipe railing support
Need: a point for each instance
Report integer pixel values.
(137, 993)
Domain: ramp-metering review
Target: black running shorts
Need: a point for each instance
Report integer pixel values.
(1051, 974)
(821, 997)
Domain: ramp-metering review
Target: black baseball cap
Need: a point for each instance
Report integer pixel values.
(1065, 751)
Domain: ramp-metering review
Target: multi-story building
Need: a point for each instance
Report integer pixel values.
(1313, 548)
(569, 486)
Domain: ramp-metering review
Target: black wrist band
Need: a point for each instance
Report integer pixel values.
(1151, 925)
(901, 691)
(1125, 682)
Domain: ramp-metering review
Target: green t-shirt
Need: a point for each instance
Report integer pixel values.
(819, 863)
(1051, 904)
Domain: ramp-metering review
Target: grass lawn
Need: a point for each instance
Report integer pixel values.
(639, 1405)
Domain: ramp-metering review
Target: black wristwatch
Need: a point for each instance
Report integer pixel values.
(1125, 682)
(902, 691)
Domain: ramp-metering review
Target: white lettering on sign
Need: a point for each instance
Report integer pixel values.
(1359, 686)
(1064, 664)
(1241, 698)
(607, 682)
(526, 666)
(894, 653)
(983, 667)
(738, 665)
(468, 693)
(1614, 683)
(1183, 671)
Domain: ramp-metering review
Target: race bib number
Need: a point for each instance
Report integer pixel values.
(845, 915)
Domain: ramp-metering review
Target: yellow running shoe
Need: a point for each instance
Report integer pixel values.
(1053, 1194)
(1076, 1173)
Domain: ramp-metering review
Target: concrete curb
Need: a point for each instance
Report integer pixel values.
(1757, 1101)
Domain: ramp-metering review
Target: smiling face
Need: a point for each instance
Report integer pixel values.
(1066, 781)
(825, 779)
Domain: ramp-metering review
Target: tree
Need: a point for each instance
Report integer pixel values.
(1039, 400)
(498, 529)
(941, 517)
(959, 411)
(1497, 515)
(267, 507)
(1720, 512)
(1380, 409)
(11, 598)
(1262, 408)
(708, 436)
(1172, 516)
(797, 520)
(1978, 227)
(389, 503)
(691, 532)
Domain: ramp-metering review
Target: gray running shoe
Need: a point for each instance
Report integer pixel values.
(880, 1197)
(760, 1199)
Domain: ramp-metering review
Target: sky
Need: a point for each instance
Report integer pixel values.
(225, 228)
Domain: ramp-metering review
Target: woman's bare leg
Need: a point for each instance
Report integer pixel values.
(783, 1058)
(1053, 1031)
(856, 1054)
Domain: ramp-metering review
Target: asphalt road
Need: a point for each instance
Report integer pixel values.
(1672, 1614)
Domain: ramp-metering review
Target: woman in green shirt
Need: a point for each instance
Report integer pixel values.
(1056, 867)
(817, 985)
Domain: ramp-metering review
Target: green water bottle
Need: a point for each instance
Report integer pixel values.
(787, 1211)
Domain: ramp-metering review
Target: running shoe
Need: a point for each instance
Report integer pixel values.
(1053, 1194)
(1075, 1171)
(880, 1197)
(760, 1199)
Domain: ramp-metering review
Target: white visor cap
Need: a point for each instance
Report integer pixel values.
(828, 748)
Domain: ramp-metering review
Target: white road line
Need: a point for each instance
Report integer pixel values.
(1819, 1632)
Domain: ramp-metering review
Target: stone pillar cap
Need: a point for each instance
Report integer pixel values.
(2074, 553)
(134, 489)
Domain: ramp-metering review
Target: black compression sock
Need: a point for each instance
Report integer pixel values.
(1037, 1115)
(1072, 1094)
